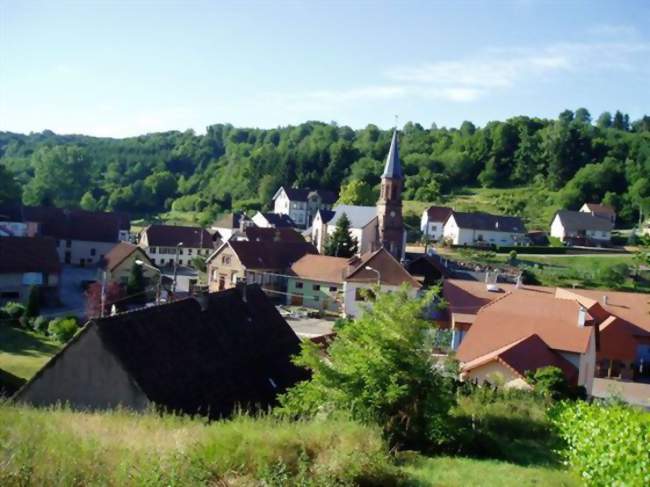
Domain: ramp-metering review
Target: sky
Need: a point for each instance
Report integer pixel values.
(125, 68)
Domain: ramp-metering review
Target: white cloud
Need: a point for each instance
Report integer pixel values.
(469, 79)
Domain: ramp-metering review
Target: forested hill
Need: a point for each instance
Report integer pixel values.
(231, 167)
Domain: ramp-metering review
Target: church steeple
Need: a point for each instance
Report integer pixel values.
(389, 206)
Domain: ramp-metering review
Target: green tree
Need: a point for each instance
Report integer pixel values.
(604, 121)
(380, 370)
(357, 193)
(88, 202)
(9, 189)
(135, 285)
(341, 243)
(583, 116)
(60, 176)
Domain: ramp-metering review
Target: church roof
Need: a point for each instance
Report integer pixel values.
(393, 168)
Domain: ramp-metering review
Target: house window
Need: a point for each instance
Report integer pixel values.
(68, 244)
(58, 243)
(298, 285)
(153, 261)
(180, 251)
(225, 260)
(153, 250)
(316, 298)
(93, 252)
(316, 287)
(333, 289)
(189, 251)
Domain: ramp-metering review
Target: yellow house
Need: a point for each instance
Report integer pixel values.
(119, 261)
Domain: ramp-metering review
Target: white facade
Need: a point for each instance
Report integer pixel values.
(353, 303)
(558, 231)
(162, 256)
(82, 252)
(470, 236)
(297, 210)
(430, 228)
(366, 236)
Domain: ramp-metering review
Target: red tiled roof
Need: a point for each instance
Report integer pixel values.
(119, 253)
(600, 209)
(322, 268)
(524, 355)
(520, 314)
(270, 255)
(390, 270)
(438, 213)
(28, 254)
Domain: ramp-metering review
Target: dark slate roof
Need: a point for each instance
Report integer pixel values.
(257, 234)
(28, 254)
(438, 213)
(580, 220)
(170, 236)
(488, 222)
(230, 220)
(393, 167)
(73, 224)
(302, 194)
(270, 255)
(600, 209)
(278, 220)
(326, 215)
(359, 216)
(235, 353)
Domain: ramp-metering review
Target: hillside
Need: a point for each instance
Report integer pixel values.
(23, 352)
(567, 161)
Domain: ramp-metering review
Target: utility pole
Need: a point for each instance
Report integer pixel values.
(178, 246)
(103, 295)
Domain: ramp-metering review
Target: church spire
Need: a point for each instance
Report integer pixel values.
(393, 168)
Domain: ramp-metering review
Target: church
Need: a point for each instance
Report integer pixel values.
(372, 226)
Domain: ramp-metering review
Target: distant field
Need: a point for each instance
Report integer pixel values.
(22, 353)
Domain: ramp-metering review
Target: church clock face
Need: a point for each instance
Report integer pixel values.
(392, 214)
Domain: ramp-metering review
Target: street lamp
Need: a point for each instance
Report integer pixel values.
(178, 246)
(368, 268)
(142, 263)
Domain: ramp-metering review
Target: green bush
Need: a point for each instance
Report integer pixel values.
(62, 329)
(606, 444)
(550, 382)
(13, 312)
(380, 371)
(40, 324)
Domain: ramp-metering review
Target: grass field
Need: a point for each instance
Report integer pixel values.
(23, 352)
(62, 447)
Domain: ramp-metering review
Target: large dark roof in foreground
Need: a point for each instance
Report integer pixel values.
(184, 359)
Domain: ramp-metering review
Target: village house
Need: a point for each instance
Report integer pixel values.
(27, 262)
(508, 313)
(433, 221)
(428, 270)
(600, 210)
(345, 285)
(301, 205)
(581, 228)
(119, 261)
(378, 268)
(363, 226)
(210, 355)
(483, 229)
(230, 224)
(82, 237)
(263, 262)
(167, 245)
(316, 281)
(273, 220)
(258, 234)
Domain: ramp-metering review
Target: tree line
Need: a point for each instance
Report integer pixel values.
(229, 168)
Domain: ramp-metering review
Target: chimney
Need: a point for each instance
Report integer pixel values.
(582, 316)
(605, 299)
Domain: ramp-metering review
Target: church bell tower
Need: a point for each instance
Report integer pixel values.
(389, 206)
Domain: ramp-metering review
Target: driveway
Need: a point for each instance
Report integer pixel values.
(73, 300)
(310, 327)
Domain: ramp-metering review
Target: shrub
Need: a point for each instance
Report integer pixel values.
(14, 312)
(380, 371)
(550, 382)
(529, 277)
(40, 324)
(512, 256)
(605, 444)
(63, 329)
(33, 302)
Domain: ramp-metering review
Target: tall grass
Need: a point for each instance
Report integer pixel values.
(60, 447)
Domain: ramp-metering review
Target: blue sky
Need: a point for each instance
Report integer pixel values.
(130, 67)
